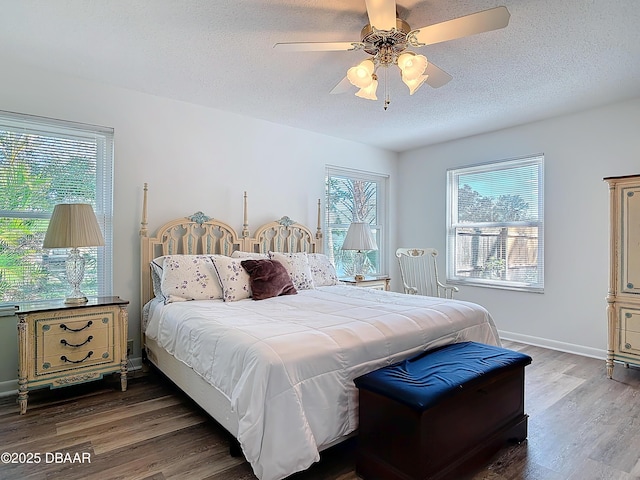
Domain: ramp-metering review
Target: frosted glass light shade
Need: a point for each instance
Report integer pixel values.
(415, 84)
(359, 237)
(412, 65)
(369, 92)
(361, 75)
(73, 225)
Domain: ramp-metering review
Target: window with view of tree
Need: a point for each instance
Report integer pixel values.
(495, 224)
(44, 162)
(354, 196)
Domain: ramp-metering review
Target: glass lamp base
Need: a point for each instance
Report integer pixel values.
(359, 265)
(75, 300)
(75, 274)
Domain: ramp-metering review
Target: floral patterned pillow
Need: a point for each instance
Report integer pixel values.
(189, 277)
(322, 270)
(233, 278)
(250, 255)
(297, 265)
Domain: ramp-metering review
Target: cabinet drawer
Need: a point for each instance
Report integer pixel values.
(629, 342)
(630, 240)
(74, 341)
(630, 319)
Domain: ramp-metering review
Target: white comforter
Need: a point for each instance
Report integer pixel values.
(287, 363)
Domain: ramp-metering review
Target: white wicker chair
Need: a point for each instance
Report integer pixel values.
(419, 273)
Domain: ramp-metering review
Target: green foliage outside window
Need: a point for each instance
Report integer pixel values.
(351, 199)
(36, 173)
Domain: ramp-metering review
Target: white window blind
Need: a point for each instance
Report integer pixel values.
(44, 162)
(495, 224)
(354, 195)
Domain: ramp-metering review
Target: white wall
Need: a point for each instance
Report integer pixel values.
(193, 158)
(579, 151)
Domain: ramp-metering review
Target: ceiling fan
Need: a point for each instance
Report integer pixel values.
(386, 39)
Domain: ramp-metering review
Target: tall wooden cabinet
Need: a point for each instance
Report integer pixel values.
(623, 299)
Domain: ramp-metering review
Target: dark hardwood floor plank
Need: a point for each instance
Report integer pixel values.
(582, 426)
(116, 414)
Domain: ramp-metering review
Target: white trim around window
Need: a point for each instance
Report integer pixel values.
(495, 224)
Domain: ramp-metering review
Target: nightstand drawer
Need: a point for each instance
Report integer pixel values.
(74, 350)
(64, 344)
(66, 340)
(376, 283)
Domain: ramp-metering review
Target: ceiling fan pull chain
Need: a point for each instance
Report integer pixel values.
(387, 100)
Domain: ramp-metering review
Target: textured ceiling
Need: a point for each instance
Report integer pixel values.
(556, 56)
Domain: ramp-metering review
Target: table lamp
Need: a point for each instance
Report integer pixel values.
(73, 225)
(359, 238)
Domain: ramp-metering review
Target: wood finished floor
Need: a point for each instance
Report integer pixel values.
(582, 426)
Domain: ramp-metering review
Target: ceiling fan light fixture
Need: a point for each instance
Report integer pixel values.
(369, 92)
(414, 84)
(412, 65)
(361, 75)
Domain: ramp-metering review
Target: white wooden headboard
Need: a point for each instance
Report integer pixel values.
(200, 234)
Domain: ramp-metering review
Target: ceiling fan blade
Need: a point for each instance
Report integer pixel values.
(317, 46)
(342, 87)
(480, 22)
(437, 76)
(382, 13)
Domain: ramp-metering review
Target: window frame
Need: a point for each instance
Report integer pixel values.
(380, 229)
(453, 175)
(103, 203)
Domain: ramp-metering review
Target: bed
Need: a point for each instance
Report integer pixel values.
(278, 373)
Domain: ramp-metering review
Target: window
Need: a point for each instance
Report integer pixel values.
(44, 162)
(495, 225)
(353, 195)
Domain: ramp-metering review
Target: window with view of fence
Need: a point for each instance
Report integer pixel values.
(495, 225)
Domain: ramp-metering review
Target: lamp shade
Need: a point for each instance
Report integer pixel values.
(359, 237)
(369, 92)
(73, 225)
(361, 74)
(414, 84)
(412, 65)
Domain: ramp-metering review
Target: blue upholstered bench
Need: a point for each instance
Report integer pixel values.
(440, 414)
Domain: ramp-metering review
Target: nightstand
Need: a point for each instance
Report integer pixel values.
(378, 282)
(61, 344)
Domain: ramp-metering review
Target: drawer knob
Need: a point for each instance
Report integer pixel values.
(627, 345)
(64, 342)
(64, 327)
(65, 359)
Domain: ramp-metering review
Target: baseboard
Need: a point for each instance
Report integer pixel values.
(10, 387)
(554, 345)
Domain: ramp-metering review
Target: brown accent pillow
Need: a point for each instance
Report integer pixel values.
(268, 278)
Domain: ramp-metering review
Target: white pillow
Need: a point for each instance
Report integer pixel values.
(249, 255)
(189, 277)
(297, 265)
(322, 270)
(233, 278)
(156, 276)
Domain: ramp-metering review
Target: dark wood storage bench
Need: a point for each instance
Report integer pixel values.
(441, 414)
